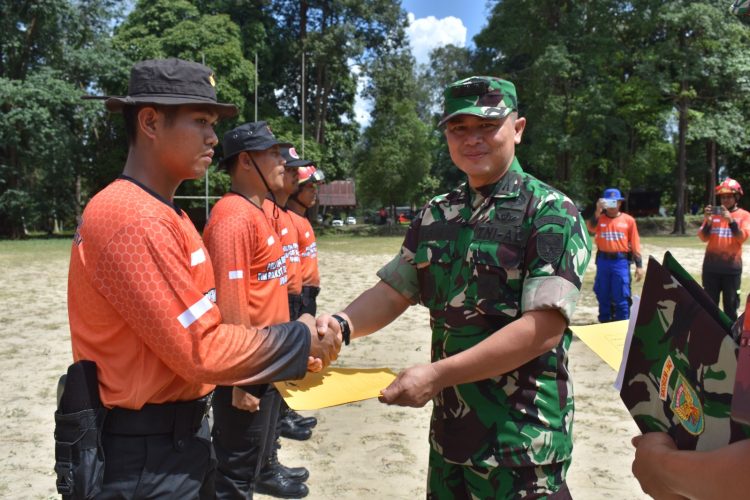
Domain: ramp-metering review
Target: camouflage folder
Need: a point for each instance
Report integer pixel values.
(741, 399)
(680, 371)
(697, 292)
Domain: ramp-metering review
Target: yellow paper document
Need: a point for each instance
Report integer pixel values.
(605, 339)
(334, 386)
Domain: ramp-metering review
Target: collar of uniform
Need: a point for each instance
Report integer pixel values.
(508, 186)
(153, 193)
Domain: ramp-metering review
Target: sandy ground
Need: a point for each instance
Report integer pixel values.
(358, 451)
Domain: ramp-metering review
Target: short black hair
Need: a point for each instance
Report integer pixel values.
(230, 164)
(130, 115)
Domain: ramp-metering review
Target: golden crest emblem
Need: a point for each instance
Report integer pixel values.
(211, 80)
(687, 407)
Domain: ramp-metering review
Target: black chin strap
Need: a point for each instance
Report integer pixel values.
(268, 189)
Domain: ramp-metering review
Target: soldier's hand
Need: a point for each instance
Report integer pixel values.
(326, 323)
(243, 400)
(413, 387)
(325, 339)
(651, 451)
(708, 212)
(639, 273)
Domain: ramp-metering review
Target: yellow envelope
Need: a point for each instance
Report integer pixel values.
(334, 386)
(607, 340)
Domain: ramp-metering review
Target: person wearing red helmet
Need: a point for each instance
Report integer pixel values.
(725, 227)
(661, 469)
(298, 204)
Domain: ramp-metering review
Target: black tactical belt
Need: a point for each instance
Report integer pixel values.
(154, 419)
(613, 255)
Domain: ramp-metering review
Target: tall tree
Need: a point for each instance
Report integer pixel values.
(689, 55)
(393, 161)
(49, 52)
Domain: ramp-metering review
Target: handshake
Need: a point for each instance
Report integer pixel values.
(325, 340)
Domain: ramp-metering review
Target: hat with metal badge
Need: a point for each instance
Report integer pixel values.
(483, 96)
(169, 82)
(293, 159)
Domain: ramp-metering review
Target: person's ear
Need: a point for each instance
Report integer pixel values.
(519, 125)
(147, 121)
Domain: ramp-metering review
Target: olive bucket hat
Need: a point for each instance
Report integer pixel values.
(169, 82)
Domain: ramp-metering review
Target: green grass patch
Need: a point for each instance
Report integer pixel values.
(23, 252)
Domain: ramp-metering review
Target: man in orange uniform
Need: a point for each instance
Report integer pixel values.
(280, 218)
(141, 297)
(617, 243)
(725, 227)
(298, 204)
(251, 277)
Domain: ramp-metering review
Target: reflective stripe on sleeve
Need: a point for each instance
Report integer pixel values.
(194, 312)
(197, 257)
(236, 275)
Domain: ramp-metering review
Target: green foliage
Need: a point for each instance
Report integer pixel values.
(393, 162)
(639, 94)
(600, 83)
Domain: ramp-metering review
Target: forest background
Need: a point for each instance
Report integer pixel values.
(641, 94)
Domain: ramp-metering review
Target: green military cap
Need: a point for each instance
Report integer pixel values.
(741, 9)
(484, 96)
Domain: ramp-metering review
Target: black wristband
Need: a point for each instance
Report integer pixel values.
(346, 330)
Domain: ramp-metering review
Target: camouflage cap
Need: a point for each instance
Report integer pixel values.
(484, 96)
(741, 9)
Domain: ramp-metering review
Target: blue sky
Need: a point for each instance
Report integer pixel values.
(434, 23)
(439, 22)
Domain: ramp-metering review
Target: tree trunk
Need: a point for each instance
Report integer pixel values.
(679, 216)
(711, 180)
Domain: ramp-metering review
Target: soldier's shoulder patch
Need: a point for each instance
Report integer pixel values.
(549, 246)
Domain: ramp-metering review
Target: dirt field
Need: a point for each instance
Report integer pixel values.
(359, 451)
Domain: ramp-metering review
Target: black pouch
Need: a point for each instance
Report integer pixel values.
(79, 420)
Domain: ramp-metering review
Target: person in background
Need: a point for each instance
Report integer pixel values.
(617, 243)
(250, 270)
(664, 472)
(298, 204)
(725, 227)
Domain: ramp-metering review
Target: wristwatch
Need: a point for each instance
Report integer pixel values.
(346, 330)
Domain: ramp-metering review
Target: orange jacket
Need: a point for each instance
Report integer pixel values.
(308, 250)
(616, 234)
(249, 264)
(286, 230)
(141, 305)
(724, 249)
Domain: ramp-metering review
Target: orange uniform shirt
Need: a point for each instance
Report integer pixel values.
(286, 230)
(308, 250)
(141, 305)
(249, 263)
(618, 234)
(724, 249)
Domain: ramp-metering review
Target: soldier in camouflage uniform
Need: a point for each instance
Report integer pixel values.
(663, 471)
(498, 262)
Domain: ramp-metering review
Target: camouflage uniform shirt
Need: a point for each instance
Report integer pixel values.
(478, 260)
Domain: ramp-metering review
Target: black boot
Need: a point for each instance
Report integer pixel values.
(271, 482)
(272, 463)
(289, 429)
(298, 419)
